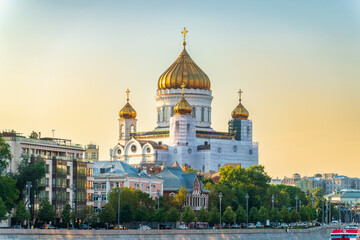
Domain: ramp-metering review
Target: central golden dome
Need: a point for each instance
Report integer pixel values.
(184, 70)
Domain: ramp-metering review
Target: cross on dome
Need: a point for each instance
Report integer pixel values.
(240, 92)
(184, 32)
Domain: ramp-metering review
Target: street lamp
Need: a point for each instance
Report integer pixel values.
(296, 198)
(327, 212)
(158, 196)
(272, 201)
(247, 209)
(300, 204)
(118, 219)
(73, 188)
(28, 186)
(220, 196)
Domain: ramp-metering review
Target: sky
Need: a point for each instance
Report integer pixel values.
(66, 65)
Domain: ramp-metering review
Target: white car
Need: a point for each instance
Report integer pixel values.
(182, 227)
(145, 227)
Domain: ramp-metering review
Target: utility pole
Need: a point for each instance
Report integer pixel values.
(327, 213)
(29, 186)
(300, 204)
(220, 196)
(296, 199)
(247, 209)
(158, 196)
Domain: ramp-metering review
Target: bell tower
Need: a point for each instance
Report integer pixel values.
(127, 121)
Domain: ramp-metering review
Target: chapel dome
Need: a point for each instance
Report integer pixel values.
(240, 111)
(183, 107)
(127, 112)
(184, 70)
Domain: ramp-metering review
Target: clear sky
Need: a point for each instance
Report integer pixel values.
(66, 65)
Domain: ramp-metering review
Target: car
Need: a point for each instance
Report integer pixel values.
(16, 227)
(259, 225)
(243, 225)
(251, 225)
(144, 227)
(84, 226)
(182, 227)
(47, 226)
(119, 227)
(235, 225)
(165, 226)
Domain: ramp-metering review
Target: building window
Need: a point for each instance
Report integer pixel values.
(102, 170)
(47, 168)
(202, 114)
(158, 115)
(96, 197)
(96, 186)
(47, 182)
(68, 170)
(193, 112)
(188, 128)
(164, 114)
(172, 111)
(103, 197)
(103, 185)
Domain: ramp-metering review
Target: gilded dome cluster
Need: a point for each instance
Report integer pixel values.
(184, 71)
(127, 112)
(240, 111)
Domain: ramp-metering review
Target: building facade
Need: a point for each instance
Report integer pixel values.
(91, 152)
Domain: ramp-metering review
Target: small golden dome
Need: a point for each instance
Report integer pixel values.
(183, 107)
(240, 111)
(127, 112)
(184, 70)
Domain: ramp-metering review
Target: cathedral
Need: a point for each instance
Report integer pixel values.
(183, 134)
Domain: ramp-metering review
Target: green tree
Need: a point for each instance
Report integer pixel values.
(203, 215)
(214, 216)
(263, 214)
(66, 214)
(240, 215)
(295, 216)
(173, 215)
(229, 216)
(159, 216)
(126, 214)
(21, 213)
(141, 214)
(179, 200)
(188, 215)
(34, 135)
(107, 214)
(305, 214)
(274, 215)
(285, 214)
(253, 215)
(46, 212)
(90, 216)
(5, 154)
(8, 191)
(3, 210)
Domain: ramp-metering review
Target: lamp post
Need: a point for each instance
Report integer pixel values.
(220, 196)
(158, 196)
(327, 211)
(118, 217)
(323, 213)
(300, 204)
(28, 186)
(296, 198)
(73, 188)
(272, 201)
(247, 209)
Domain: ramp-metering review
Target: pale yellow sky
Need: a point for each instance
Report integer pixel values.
(66, 66)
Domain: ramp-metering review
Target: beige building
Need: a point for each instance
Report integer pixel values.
(91, 152)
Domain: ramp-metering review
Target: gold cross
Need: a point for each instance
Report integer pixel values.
(127, 93)
(184, 32)
(240, 92)
(182, 86)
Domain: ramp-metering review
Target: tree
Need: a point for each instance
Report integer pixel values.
(126, 214)
(188, 215)
(274, 215)
(159, 216)
(253, 215)
(107, 214)
(263, 214)
(229, 216)
(203, 215)
(214, 215)
(240, 215)
(172, 215)
(66, 214)
(46, 212)
(34, 135)
(90, 216)
(21, 213)
(3, 210)
(295, 216)
(5, 154)
(305, 214)
(285, 214)
(141, 214)
(180, 198)
(8, 191)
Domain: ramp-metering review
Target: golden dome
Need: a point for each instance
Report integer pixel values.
(240, 111)
(127, 112)
(184, 70)
(183, 107)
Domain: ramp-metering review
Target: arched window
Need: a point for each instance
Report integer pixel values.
(158, 114)
(164, 114)
(209, 115)
(132, 128)
(172, 111)
(177, 126)
(188, 128)
(202, 114)
(193, 112)
(121, 131)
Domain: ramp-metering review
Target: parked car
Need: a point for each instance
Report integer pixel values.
(235, 225)
(144, 227)
(243, 225)
(47, 226)
(165, 226)
(251, 225)
(182, 227)
(119, 227)
(16, 227)
(84, 226)
(259, 225)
